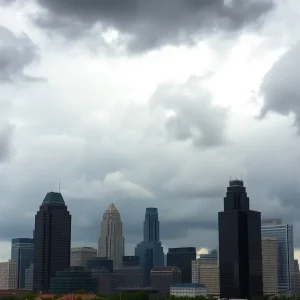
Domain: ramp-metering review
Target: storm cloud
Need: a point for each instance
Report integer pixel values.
(145, 25)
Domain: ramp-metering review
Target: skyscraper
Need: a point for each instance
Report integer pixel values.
(111, 240)
(283, 233)
(182, 258)
(52, 240)
(240, 252)
(22, 254)
(150, 250)
(8, 275)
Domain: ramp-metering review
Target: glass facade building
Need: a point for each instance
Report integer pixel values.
(22, 254)
(150, 251)
(283, 233)
(52, 240)
(182, 258)
(73, 279)
(240, 252)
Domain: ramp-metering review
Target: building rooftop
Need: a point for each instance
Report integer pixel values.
(165, 269)
(54, 198)
(189, 285)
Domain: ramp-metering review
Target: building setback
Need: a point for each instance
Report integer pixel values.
(22, 254)
(283, 233)
(240, 252)
(52, 240)
(182, 258)
(270, 266)
(111, 240)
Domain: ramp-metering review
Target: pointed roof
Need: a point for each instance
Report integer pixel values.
(112, 209)
(54, 198)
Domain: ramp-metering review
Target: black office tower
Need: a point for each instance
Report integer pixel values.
(240, 258)
(182, 258)
(52, 240)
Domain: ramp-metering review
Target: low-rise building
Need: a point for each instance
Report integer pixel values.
(188, 290)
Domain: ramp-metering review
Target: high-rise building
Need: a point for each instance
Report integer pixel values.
(182, 258)
(80, 256)
(150, 250)
(22, 254)
(111, 240)
(269, 266)
(206, 272)
(52, 240)
(283, 233)
(240, 254)
(297, 277)
(8, 275)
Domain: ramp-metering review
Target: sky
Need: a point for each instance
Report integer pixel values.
(148, 104)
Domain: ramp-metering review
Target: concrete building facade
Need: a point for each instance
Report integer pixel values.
(80, 256)
(111, 240)
(191, 290)
(270, 263)
(207, 274)
(8, 275)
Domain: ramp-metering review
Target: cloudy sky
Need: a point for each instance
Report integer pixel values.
(148, 103)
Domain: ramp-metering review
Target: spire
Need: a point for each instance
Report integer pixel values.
(112, 209)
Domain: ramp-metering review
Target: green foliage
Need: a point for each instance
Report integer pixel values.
(29, 296)
(80, 292)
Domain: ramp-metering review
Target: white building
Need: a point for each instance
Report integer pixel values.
(270, 266)
(188, 290)
(285, 242)
(111, 240)
(80, 256)
(8, 275)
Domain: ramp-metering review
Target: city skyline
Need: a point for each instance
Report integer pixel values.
(154, 113)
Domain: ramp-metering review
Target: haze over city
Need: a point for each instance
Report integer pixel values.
(153, 111)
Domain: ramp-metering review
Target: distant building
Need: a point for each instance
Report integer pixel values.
(111, 240)
(191, 290)
(283, 233)
(73, 279)
(150, 251)
(240, 257)
(22, 254)
(162, 278)
(209, 258)
(106, 281)
(131, 261)
(100, 262)
(182, 258)
(207, 274)
(270, 266)
(128, 277)
(80, 256)
(52, 240)
(29, 278)
(8, 275)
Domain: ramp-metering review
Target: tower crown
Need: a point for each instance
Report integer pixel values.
(54, 198)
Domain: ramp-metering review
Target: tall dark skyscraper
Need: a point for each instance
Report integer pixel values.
(52, 240)
(22, 254)
(150, 251)
(182, 258)
(240, 253)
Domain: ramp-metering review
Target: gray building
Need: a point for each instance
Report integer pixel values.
(209, 258)
(22, 254)
(284, 235)
(129, 277)
(80, 256)
(29, 278)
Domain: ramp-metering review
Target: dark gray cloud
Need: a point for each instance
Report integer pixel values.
(17, 52)
(280, 87)
(192, 115)
(146, 25)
